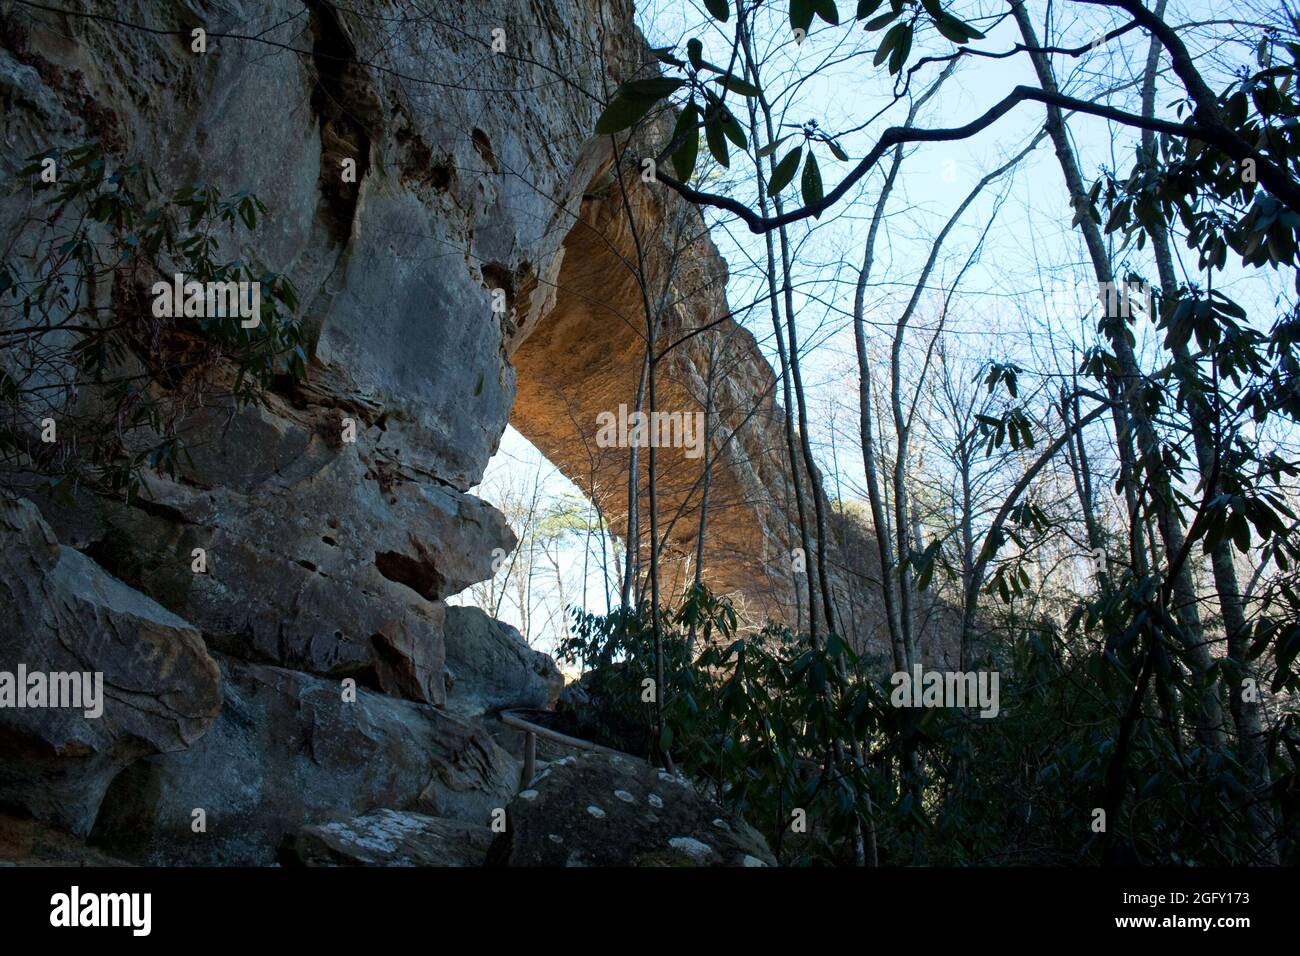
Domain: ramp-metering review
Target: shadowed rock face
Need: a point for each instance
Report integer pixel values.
(489, 666)
(28, 842)
(290, 750)
(334, 561)
(155, 687)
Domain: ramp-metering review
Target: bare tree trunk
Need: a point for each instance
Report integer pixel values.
(888, 579)
(1246, 715)
(708, 474)
(651, 312)
(1081, 472)
(903, 418)
(964, 463)
(810, 465)
(632, 539)
(1126, 388)
(660, 689)
(791, 447)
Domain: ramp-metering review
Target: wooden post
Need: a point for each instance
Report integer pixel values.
(533, 731)
(530, 758)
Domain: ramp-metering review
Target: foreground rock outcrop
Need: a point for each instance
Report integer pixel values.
(490, 666)
(119, 677)
(320, 556)
(597, 810)
(288, 750)
(390, 838)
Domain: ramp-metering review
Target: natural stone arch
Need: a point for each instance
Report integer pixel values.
(577, 349)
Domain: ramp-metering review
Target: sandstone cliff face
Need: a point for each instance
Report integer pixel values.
(330, 559)
(328, 556)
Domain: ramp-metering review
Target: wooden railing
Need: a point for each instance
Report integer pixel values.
(511, 718)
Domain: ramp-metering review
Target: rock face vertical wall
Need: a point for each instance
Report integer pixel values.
(326, 556)
(330, 559)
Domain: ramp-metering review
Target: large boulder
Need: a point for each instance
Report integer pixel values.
(598, 810)
(132, 678)
(318, 555)
(393, 838)
(289, 750)
(491, 666)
